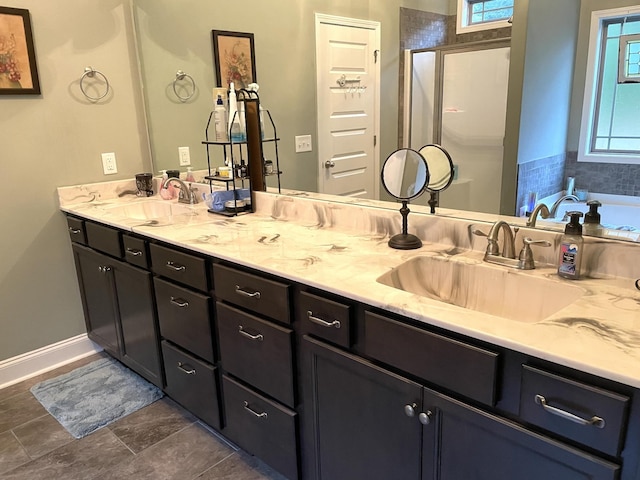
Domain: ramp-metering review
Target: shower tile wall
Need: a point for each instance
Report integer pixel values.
(543, 176)
(610, 178)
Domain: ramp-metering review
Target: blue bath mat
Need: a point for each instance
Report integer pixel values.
(94, 395)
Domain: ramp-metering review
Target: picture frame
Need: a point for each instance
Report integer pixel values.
(18, 69)
(234, 58)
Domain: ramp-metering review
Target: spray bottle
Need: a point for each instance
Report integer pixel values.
(234, 126)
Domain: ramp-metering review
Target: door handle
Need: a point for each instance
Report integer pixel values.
(329, 164)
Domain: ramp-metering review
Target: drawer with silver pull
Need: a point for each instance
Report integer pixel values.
(103, 238)
(590, 415)
(261, 426)
(257, 351)
(135, 251)
(192, 383)
(324, 318)
(179, 266)
(75, 226)
(185, 318)
(257, 294)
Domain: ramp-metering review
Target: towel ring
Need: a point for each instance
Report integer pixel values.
(180, 75)
(89, 72)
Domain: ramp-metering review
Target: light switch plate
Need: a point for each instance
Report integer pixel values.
(109, 166)
(185, 156)
(303, 143)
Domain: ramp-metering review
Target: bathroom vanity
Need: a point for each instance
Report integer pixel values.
(274, 329)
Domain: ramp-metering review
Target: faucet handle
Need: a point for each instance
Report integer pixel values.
(525, 258)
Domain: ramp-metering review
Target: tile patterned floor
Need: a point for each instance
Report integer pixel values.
(159, 442)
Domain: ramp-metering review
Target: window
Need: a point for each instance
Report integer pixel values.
(610, 128)
(474, 15)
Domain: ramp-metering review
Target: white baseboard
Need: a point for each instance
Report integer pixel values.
(30, 364)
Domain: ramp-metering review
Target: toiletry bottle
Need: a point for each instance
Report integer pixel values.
(571, 246)
(190, 177)
(221, 121)
(592, 226)
(234, 126)
(166, 193)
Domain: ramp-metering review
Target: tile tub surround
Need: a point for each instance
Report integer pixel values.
(342, 248)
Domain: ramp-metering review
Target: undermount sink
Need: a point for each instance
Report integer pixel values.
(484, 288)
(153, 210)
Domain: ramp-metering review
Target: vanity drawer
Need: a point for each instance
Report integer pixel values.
(557, 403)
(254, 293)
(185, 318)
(258, 352)
(135, 251)
(76, 230)
(261, 427)
(192, 383)
(325, 318)
(457, 366)
(181, 267)
(105, 239)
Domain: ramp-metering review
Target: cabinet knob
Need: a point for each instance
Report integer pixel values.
(410, 410)
(425, 417)
(329, 164)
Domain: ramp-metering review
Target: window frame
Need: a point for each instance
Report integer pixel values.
(589, 104)
(462, 25)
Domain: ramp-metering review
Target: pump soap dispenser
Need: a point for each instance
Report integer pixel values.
(571, 246)
(592, 226)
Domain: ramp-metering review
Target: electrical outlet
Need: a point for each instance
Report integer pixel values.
(109, 165)
(303, 143)
(185, 156)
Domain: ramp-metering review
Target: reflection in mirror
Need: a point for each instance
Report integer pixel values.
(405, 175)
(440, 169)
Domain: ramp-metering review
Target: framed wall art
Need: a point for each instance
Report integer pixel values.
(18, 70)
(234, 58)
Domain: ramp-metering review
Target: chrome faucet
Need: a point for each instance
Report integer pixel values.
(543, 210)
(554, 207)
(186, 195)
(509, 247)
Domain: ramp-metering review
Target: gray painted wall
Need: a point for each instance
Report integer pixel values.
(56, 139)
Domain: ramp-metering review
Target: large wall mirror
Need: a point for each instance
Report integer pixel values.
(176, 36)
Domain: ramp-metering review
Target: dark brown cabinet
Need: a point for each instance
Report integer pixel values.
(119, 310)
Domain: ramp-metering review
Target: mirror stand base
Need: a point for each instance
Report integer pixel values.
(405, 241)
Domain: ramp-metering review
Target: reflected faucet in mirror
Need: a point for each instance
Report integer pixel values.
(544, 211)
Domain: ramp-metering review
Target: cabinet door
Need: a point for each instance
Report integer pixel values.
(462, 442)
(355, 421)
(140, 343)
(96, 279)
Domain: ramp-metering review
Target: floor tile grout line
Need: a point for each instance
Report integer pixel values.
(122, 441)
(22, 446)
(195, 477)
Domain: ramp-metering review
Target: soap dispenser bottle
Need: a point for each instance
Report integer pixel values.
(166, 193)
(189, 177)
(592, 226)
(571, 246)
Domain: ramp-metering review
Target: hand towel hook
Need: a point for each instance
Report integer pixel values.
(180, 75)
(90, 72)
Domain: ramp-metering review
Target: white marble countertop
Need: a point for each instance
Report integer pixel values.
(599, 333)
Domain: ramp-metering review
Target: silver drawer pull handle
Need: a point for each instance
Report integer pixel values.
(324, 323)
(134, 252)
(104, 268)
(595, 421)
(244, 293)
(177, 268)
(188, 370)
(75, 231)
(253, 412)
(242, 331)
(179, 302)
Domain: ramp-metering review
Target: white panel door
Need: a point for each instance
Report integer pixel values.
(347, 101)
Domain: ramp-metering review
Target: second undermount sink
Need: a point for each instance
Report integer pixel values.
(484, 288)
(152, 210)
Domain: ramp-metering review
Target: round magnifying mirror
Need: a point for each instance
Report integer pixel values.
(441, 170)
(405, 175)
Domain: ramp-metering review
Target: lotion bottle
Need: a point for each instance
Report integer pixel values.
(571, 246)
(221, 121)
(234, 126)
